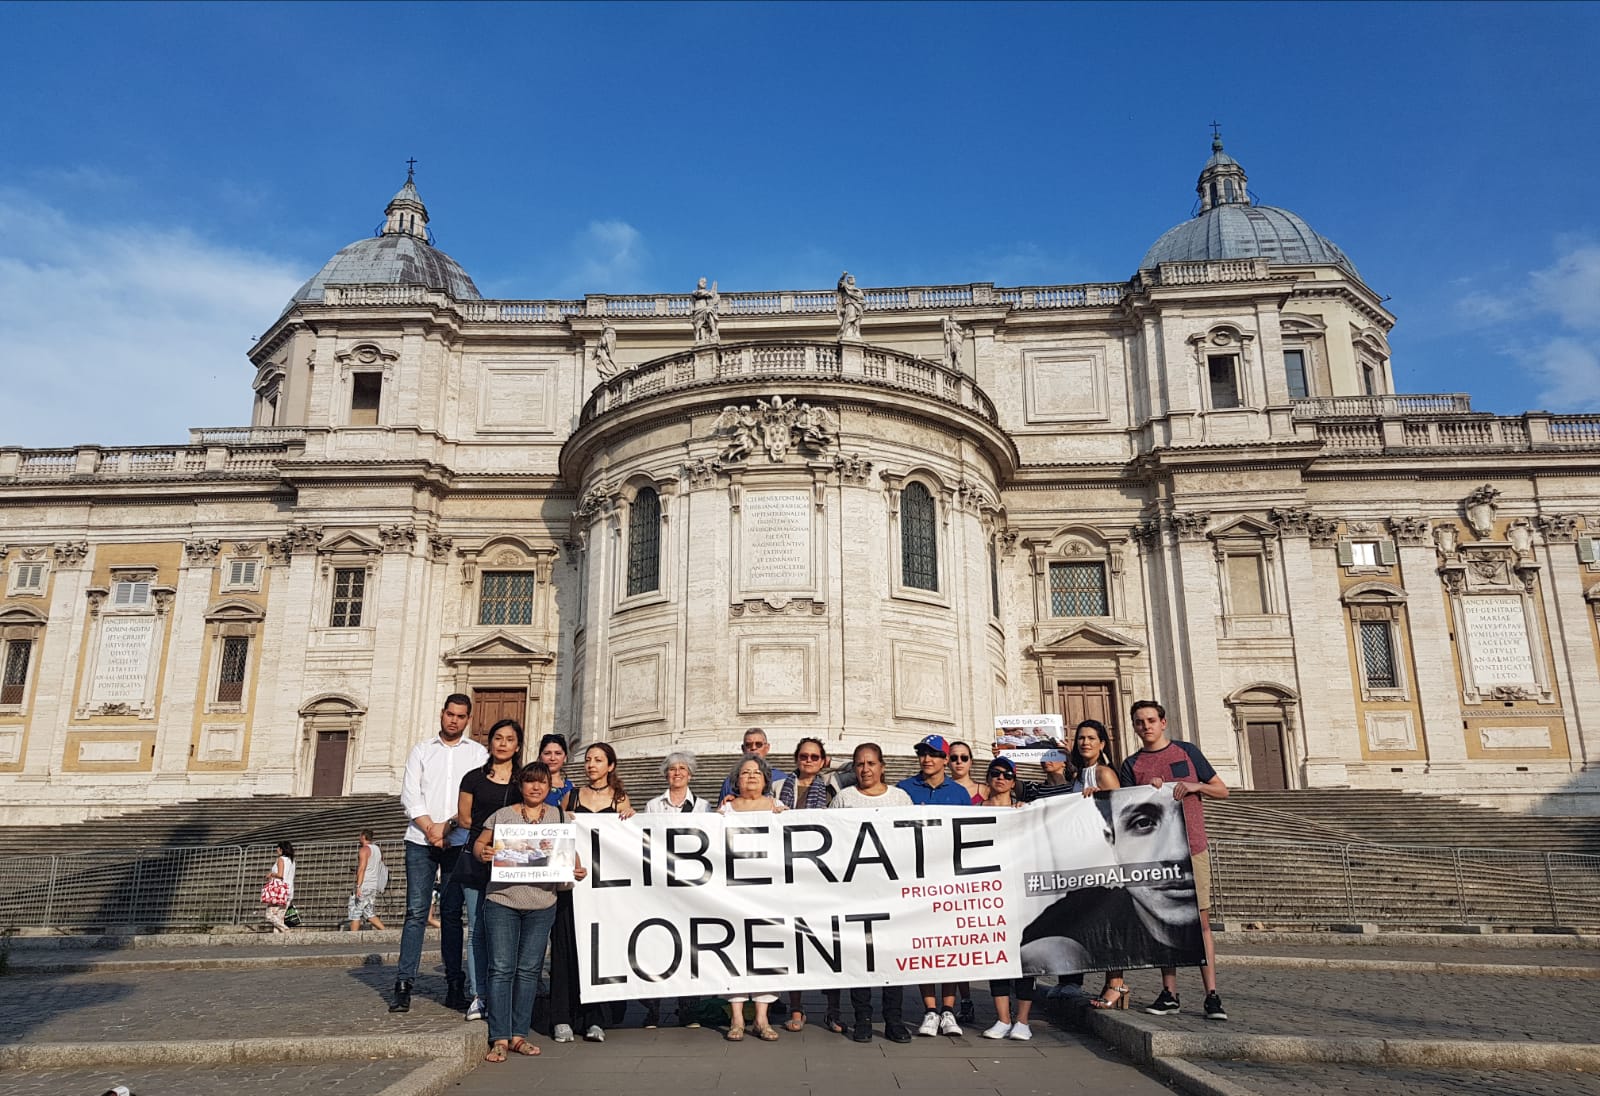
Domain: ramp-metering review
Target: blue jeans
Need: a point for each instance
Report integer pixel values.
(422, 861)
(477, 952)
(515, 942)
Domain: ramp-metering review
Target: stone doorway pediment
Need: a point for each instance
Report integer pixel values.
(498, 646)
(1088, 639)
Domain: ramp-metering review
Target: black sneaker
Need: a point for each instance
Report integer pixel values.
(1165, 1004)
(402, 997)
(1213, 1007)
(861, 1033)
(967, 1013)
(897, 1033)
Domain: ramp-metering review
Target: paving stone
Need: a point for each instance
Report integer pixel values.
(1307, 1079)
(348, 1078)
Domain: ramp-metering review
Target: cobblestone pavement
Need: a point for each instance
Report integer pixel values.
(1310, 1079)
(1484, 953)
(672, 1062)
(1386, 1005)
(353, 1078)
(164, 1005)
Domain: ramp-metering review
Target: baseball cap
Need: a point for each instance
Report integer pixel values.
(933, 744)
(1001, 765)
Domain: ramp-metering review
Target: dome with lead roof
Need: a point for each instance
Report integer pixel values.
(1231, 226)
(399, 255)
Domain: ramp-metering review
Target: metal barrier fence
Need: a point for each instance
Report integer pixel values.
(185, 888)
(1279, 882)
(1297, 882)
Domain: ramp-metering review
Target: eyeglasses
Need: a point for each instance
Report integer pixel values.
(808, 757)
(960, 757)
(748, 746)
(1001, 776)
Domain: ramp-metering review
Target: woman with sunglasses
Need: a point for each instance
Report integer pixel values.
(1002, 783)
(808, 789)
(961, 771)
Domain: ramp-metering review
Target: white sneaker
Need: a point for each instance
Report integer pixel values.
(998, 1030)
(930, 1024)
(595, 1034)
(563, 1033)
(1020, 1031)
(475, 1010)
(947, 1023)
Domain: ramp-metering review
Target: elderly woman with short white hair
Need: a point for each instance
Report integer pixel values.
(678, 769)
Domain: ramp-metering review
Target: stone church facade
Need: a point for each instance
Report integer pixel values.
(855, 513)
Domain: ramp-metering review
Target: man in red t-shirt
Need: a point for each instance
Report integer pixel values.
(1181, 764)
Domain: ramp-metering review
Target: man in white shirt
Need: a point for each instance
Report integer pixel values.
(430, 793)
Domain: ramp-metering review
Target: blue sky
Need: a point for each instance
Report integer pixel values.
(172, 172)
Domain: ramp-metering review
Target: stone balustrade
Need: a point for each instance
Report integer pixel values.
(1536, 431)
(1215, 270)
(1321, 407)
(732, 363)
(215, 457)
(245, 435)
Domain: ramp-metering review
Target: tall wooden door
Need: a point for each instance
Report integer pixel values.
(490, 706)
(1265, 743)
(1079, 702)
(327, 766)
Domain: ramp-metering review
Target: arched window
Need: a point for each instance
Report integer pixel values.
(644, 542)
(919, 553)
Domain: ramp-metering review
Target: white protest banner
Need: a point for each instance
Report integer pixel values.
(1108, 883)
(715, 904)
(534, 854)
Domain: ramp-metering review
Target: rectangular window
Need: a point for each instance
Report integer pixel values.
(1377, 650)
(1245, 588)
(1223, 373)
(15, 681)
(506, 598)
(366, 393)
(28, 578)
(130, 595)
(1078, 589)
(1363, 553)
(1294, 367)
(349, 590)
(1369, 378)
(235, 658)
(242, 574)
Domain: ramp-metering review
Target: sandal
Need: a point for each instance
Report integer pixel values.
(735, 1033)
(1111, 997)
(519, 1045)
(796, 1021)
(497, 1052)
(831, 1022)
(765, 1033)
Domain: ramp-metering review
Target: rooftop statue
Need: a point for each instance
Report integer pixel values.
(954, 336)
(852, 303)
(605, 361)
(704, 314)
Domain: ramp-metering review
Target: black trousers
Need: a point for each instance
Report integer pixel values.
(893, 1004)
(565, 1005)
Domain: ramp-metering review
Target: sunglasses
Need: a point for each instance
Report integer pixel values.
(1001, 774)
(808, 757)
(960, 757)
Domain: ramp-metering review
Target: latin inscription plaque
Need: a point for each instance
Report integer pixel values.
(1497, 639)
(122, 665)
(775, 540)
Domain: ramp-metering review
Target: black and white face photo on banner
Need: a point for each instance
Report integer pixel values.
(1115, 889)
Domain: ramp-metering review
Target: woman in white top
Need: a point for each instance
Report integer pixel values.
(678, 768)
(282, 868)
(752, 791)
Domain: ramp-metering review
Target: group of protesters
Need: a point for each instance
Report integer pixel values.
(496, 936)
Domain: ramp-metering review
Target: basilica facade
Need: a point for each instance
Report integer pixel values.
(851, 512)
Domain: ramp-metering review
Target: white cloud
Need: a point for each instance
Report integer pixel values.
(124, 333)
(606, 253)
(1566, 364)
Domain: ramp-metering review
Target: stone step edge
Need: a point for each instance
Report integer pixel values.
(460, 1051)
(1142, 1040)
